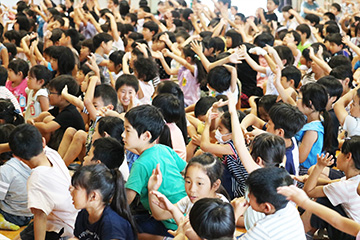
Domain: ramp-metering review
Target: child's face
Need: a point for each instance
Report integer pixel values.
(237, 20)
(334, 10)
(355, 107)
(125, 94)
(233, 11)
(63, 40)
(254, 204)
(98, 103)
(130, 136)
(263, 114)
(127, 20)
(33, 83)
(79, 77)
(111, 66)
(228, 42)
(79, 197)
(111, 5)
(285, 83)
(224, 131)
(158, 45)
(271, 6)
(88, 158)
(128, 46)
(54, 97)
(13, 77)
(147, 34)
(54, 64)
(180, 40)
(289, 38)
(108, 47)
(197, 184)
(334, 48)
(84, 53)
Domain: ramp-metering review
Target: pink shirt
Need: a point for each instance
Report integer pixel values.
(18, 91)
(177, 140)
(189, 85)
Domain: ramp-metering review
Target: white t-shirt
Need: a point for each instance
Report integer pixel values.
(48, 190)
(185, 204)
(33, 108)
(148, 90)
(352, 125)
(270, 87)
(344, 192)
(124, 169)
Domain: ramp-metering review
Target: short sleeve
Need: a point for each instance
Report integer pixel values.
(350, 124)
(42, 92)
(38, 197)
(337, 192)
(138, 178)
(183, 203)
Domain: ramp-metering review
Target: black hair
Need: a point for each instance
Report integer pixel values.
(342, 72)
(136, 36)
(74, 36)
(5, 130)
(330, 15)
(333, 29)
(266, 102)
(23, 22)
(128, 28)
(61, 81)
(152, 26)
(145, 8)
(276, 2)
(113, 126)
(11, 47)
(3, 76)
(188, 52)
(13, 35)
(9, 114)
(285, 53)
(270, 148)
(109, 151)
(116, 57)
(56, 35)
(185, 13)
(41, 72)
(65, 59)
(169, 105)
(89, 44)
(288, 118)
(217, 43)
(306, 52)
(264, 38)
(313, 19)
(59, 19)
(133, 17)
(124, 7)
(292, 73)
(174, 89)
(148, 118)
(332, 85)
(304, 28)
(101, 37)
(297, 37)
(85, 69)
(128, 80)
(21, 6)
(226, 119)
(203, 105)
(235, 37)
(218, 217)
(242, 16)
(315, 96)
(110, 185)
(19, 65)
(263, 184)
(337, 6)
(185, 35)
(26, 142)
(351, 145)
(219, 78)
(146, 69)
(107, 94)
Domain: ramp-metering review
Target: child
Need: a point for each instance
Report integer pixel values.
(4, 92)
(145, 69)
(8, 113)
(143, 125)
(115, 63)
(38, 101)
(308, 6)
(270, 15)
(290, 77)
(48, 185)
(202, 180)
(17, 72)
(349, 122)
(62, 60)
(342, 195)
(103, 44)
(305, 34)
(150, 28)
(336, 45)
(13, 195)
(52, 124)
(126, 87)
(105, 214)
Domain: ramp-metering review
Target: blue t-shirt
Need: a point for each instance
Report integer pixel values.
(110, 226)
(317, 146)
(314, 6)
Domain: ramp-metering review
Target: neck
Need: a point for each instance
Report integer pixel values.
(15, 83)
(314, 116)
(95, 212)
(288, 142)
(39, 160)
(61, 106)
(351, 172)
(99, 51)
(303, 40)
(145, 147)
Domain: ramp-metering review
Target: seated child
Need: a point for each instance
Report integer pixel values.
(4, 92)
(145, 70)
(47, 187)
(126, 87)
(143, 125)
(336, 45)
(8, 113)
(13, 196)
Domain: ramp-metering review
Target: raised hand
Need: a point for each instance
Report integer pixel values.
(156, 179)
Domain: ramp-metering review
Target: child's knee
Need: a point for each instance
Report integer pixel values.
(70, 132)
(48, 119)
(80, 136)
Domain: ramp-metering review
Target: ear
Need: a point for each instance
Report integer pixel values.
(349, 157)
(97, 161)
(44, 142)
(332, 99)
(146, 136)
(280, 132)
(106, 134)
(268, 208)
(216, 184)
(284, 61)
(259, 162)
(42, 81)
(110, 107)
(347, 80)
(292, 82)
(188, 59)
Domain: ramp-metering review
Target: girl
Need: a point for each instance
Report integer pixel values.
(37, 101)
(105, 214)
(8, 113)
(62, 60)
(190, 75)
(202, 180)
(315, 136)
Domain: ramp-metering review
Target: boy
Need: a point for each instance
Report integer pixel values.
(103, 44)
(336, 10)
(282, 219)
(290, 77)
(150, 28)
(344, 75)
(305, 34)
(49, 198)
(270, 15)
(336, 45)
(143, 125)
(126, 87)
(115, 63)
(52, 124)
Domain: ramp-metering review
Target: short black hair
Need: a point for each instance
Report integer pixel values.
(19, 65)
(332, 85)
(292, 73)
(169, 106)
(287, 117)
(65, 58)
(342, 72)
(25, 141)
(285, 53)
(109, 151)
(313, 19)
(276, 2)
(61, 81)
(24, 23)
(263, 184)
(133, 17)
(270, 148)
(235, 37)
(217, 43)
(101, 37)
(304, 28)
(297, 37)
(5, 131)
(146, 118)
(219, 78)
(335, 38)
(11, 50)
(185, 35)
(330, 15)
(337, 6)
(3, 76)
(117, 57)
(41, 72)
(113, 126)
(74, 36)
(89, 44)
(128, 80)
(340, 60)
(152, 26)
(107, 94)
(56, 35)
(264, 38)
(13, 35)
(352, 146)
(136, 36)
(203, 105)
(333, 29)
(146, 69)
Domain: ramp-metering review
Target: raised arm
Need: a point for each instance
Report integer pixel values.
(342, 103)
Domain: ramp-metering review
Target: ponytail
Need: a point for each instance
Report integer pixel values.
(201, 76)
(328, 126)
(165, 137)
(9, 114)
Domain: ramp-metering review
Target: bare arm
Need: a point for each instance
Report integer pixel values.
(40, 220)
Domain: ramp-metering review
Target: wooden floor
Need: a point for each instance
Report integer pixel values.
(11, 234)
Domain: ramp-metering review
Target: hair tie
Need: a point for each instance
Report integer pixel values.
(17, 111)
(196, 56)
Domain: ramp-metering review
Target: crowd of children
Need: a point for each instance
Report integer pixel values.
(118, 123)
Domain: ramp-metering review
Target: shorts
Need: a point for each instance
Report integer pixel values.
(28, 233)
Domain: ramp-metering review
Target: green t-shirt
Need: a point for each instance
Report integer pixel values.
(171, 165)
